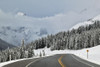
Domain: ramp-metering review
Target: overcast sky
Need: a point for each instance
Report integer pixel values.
(53, 15)
(42, 8)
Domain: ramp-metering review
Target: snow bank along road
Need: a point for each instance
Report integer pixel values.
(59, 60)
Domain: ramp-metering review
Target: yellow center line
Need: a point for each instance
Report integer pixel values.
(60, 62)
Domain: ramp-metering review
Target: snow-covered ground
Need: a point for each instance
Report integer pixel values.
(12, 61)
(94, 55)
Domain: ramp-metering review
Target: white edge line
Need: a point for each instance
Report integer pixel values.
(32, 62)
(35, 61)
(82, 61)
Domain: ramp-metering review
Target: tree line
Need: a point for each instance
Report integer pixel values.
(83, 37)
(16, 53)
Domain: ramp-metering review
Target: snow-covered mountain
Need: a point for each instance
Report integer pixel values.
(88, 22)
(15, 35)
(15, 27)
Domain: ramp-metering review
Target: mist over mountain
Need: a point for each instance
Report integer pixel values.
(15, 27)
(5, 45)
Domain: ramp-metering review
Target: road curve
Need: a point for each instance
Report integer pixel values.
(59, 60)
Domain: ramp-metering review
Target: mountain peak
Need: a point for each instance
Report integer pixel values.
(21, 14)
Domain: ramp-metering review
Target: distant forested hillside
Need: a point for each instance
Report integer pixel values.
(5, 45)
(83, 37)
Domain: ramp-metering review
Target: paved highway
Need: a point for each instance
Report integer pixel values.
(59, 60)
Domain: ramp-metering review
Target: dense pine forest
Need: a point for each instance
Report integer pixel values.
(83, 37)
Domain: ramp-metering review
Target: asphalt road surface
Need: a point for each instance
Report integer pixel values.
(59, 60)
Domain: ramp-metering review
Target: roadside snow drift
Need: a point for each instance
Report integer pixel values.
(94, 55)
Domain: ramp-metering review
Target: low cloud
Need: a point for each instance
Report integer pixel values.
(53, 24)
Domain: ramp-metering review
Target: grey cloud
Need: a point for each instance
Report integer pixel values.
(41, 8)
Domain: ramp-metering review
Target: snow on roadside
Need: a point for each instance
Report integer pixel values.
(12, 61)
(94, 55)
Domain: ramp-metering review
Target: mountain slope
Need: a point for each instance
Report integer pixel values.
(14, 35)
(83, 37)
(15, 27)
(5, 45)
(88, 22)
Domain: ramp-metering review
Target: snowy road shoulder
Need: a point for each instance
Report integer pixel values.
(12, 61)
(94, 55)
